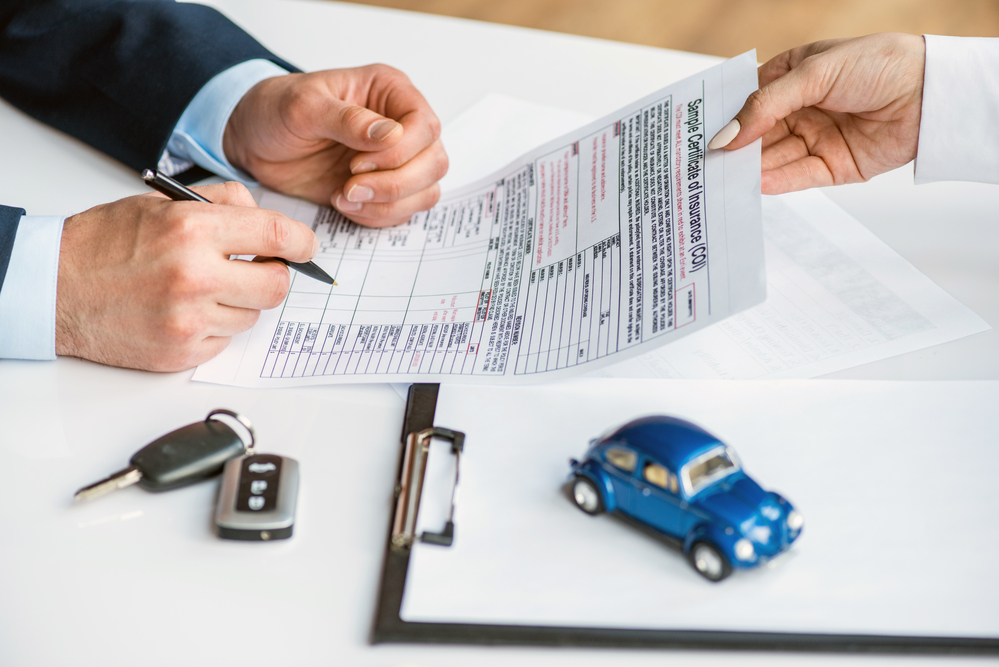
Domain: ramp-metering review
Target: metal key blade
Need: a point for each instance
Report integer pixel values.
(119, 480)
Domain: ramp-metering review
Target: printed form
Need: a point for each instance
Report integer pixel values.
(837, 295)
(603, 244)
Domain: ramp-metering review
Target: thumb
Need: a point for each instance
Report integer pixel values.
(357, 127)
(801, 87)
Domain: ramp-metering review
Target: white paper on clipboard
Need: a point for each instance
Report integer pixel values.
(895, 481)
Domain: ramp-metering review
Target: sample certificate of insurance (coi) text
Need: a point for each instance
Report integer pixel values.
(605, 243)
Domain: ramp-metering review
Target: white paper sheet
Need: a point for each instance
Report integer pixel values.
(837, 297)
(597, 246)
(895, 481)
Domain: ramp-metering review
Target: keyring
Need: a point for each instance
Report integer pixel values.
(241, 419)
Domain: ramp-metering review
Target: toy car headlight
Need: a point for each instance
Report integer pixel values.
(794, 520)
(744, 549)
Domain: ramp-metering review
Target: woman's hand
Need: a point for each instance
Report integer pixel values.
(833, 112)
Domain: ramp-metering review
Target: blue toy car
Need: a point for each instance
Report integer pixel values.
(680, 480)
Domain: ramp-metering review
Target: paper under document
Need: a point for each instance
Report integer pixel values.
(837, 297)
(600, 245)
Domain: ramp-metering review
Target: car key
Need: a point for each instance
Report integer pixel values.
(257, 498)
(189, 454)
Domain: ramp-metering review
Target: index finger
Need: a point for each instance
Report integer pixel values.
(804, 85)
(259, 231)
(783, 63)
(231, 192)
(788, 82)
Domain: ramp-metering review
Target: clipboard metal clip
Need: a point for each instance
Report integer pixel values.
(410, 488)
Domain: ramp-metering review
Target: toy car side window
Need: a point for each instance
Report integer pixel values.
(660, 476)
(656, 474)
(622, 458)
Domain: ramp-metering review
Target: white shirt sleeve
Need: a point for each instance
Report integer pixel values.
(197, 138)
(959, 127)
(28, 295)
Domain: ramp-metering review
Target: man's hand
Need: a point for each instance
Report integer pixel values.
(146, 282)
(362, 139)
(833, 112)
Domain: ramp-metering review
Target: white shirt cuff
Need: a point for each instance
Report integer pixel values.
(197, 138)
(959, 126)
(28, 297)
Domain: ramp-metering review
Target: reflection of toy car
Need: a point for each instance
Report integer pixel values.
(682, 481)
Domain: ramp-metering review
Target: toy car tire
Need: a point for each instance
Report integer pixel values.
(709, 562)
(586, 496)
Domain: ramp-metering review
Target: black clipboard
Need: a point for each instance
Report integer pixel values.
(418, 427)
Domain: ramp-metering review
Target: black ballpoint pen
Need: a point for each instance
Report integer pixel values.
(178, 192)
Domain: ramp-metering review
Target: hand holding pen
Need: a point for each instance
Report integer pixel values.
(178, 192)
(145, 282)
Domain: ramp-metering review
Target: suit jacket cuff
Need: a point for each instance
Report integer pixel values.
(117, 75)
(9, 219)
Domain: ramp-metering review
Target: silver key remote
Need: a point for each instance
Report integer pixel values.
(257, 498)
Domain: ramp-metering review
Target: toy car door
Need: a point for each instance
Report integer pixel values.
(620, 464)
(658, 502)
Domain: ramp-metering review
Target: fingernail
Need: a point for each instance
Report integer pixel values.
(360, 193)
(363, 168)
(383, 129)
(315, 247)
(349, 206)
(726, 134)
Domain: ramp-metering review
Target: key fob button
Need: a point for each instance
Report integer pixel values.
(261, 468)
(258, 483)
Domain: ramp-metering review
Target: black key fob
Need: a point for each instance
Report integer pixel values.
(257, 498)
(188, 455)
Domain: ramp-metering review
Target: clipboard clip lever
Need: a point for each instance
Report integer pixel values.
(410, 488)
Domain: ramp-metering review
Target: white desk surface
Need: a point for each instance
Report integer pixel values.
(138, 578)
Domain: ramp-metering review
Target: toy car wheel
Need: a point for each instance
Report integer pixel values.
(587, 496)
(709, 562)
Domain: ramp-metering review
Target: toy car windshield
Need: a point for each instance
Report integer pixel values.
(709, 468)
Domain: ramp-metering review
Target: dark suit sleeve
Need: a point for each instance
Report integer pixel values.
(116, 74)
(9, 219)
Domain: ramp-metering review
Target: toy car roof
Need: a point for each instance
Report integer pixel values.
(667, 439)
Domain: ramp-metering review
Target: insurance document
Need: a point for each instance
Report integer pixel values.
(603, 244)
(837, 295)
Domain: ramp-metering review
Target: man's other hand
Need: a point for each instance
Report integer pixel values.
(146, 282)
(362, 139)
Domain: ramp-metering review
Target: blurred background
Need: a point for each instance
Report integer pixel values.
(724, 27)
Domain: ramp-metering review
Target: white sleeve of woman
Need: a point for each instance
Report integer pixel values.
(959, 127)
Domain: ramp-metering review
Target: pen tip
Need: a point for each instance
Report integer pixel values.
(148, 174)
(334, 283)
